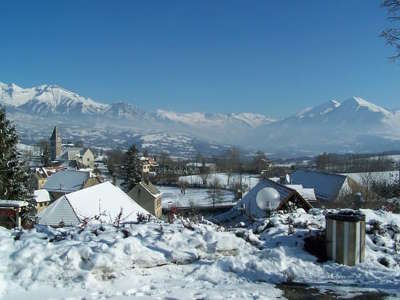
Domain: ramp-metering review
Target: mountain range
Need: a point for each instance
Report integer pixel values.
(350, 125)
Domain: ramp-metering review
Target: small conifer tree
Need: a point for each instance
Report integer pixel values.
(132, 169)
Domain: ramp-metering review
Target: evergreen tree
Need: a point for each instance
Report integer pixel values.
(132, 169)
(13, 176)
(45, 152)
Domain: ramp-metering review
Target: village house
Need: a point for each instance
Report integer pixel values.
(149, 165)
(39, 176)
(86, 158)
(78, 157)
(288, 198)
(328, 186)
(198, 167)
(37, 180)
(71, 153)
(42, 199)
(148, 196)
(69, 181)
(307, 193)
(11, 213)
(103, 202)
(248, 207)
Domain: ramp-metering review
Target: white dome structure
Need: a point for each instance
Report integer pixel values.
(268, 198)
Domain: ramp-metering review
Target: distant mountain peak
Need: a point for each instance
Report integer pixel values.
(335, 103)
(358, 103)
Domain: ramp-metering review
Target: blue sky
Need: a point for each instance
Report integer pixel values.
(271, 57)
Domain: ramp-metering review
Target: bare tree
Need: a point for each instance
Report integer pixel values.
(204, 175)
(260, 162)
(392, 34)
(367, 180)
(215, 193)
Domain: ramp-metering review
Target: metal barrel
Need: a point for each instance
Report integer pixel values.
(345, 237)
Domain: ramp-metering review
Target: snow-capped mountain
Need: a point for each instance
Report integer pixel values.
(341, 126)
(121, 123)
(352, 125)
(46, 99)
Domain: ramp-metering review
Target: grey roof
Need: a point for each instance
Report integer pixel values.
(57, 212)
(150, 188)
(326, 185)
(66, 181)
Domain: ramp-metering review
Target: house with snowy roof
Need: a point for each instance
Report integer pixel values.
(42, 199)
(307, 193)
(327, 186)
(147, 196)
(79, 157)
(103, 202)
(68, 181)
(248, 207)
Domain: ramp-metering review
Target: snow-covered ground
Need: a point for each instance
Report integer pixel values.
(190, 261)
(148, 261)
(172, 196)
(223, 179)
(282, 253)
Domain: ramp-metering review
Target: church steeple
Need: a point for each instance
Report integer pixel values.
(55, 144)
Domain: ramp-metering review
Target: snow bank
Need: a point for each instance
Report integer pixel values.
(282, 257)
(97, 258)
(192, 261)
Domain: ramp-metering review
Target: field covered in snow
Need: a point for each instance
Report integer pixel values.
(192, 197)
(185, 260)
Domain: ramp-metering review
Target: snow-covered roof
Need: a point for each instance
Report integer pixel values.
(307, 194)
(103, 199)
(326, 185)
(41, 196)
(12, 203)
(66, 181)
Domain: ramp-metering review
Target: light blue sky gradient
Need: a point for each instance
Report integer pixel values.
(271, 57)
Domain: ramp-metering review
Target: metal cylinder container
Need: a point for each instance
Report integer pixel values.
(345, 237)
